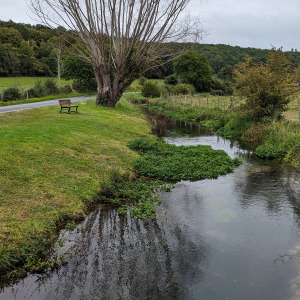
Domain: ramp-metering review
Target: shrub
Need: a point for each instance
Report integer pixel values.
(81, 85)
(142, 80)
(217, 92)
(271, 150)
(50, 87)
(256, 134)
(66, 89)
(151, 90)
(30, 93)
(264, 86)
(12, 93)
(193, 68)
(221, 87)
(38, 89)
(184, 89)
(171, 80)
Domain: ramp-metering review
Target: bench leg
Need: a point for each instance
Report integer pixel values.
(69, 109)
(60, 110)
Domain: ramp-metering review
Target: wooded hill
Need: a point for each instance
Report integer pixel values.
(31, 50)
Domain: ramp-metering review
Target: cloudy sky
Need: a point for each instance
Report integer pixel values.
(245, 23)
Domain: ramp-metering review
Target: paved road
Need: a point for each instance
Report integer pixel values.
(18, 107)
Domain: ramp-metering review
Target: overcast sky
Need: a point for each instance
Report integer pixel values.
(245, 23)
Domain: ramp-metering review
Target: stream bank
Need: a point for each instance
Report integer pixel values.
(235, 237)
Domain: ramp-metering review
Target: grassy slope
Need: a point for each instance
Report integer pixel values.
(52, 165)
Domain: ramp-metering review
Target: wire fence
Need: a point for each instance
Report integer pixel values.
(228, 103)
(206, 101)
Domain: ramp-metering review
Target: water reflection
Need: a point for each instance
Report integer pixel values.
(237, 237)
(119, 258)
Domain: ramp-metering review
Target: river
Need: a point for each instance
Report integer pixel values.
(235, 237)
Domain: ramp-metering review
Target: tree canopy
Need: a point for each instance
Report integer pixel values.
(193, 68)
(266, 87)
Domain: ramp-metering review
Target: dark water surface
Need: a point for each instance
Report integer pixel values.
(237, 237)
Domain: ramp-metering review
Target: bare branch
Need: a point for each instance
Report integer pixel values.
(121, 37)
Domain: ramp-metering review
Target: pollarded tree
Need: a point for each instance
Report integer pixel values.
(122, 38)
(193, 68)
(265, 87)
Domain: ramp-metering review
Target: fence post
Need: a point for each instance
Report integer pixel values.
(207, 101)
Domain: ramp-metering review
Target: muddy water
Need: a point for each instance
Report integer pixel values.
(237, 237)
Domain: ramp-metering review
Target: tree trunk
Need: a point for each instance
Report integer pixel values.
(109, 90)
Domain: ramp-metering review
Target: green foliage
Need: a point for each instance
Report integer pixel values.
(265, 87)
(81, 72)
(38, 89)
(271, 150)
(77, 68)
(193, 68)
(66, 89)
(173, 163)
(281, 140)
(183, 89)
(12, 93)
(236, 124)
(137, 194)
(50, 87)
(151, 90)
(171, 80)
(27, 50)
(142, 80)
(221, 87)
(161, 162)
(256, 134)
(84, 85)
(46, 88)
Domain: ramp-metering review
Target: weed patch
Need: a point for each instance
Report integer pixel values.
(174, 163)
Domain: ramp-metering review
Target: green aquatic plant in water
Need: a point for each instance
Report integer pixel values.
(168, 162)
(159, 165)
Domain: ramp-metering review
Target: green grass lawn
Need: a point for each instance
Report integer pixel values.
(24, 82)
(52, 166)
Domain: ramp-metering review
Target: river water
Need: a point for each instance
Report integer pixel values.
(236, 237)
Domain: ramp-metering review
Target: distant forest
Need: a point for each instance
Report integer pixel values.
(33, 50)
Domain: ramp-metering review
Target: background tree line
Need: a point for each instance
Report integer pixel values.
(37, 50)
(29, 50)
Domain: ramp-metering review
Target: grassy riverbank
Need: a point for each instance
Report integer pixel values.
(54, 167)
(51, 168)
(270, 140)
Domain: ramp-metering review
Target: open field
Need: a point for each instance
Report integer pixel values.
(224, 103)
(24, 82)
(52, 166)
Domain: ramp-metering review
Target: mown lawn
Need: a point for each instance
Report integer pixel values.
(52, 166)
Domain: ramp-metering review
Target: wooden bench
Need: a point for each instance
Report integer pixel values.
(67, 104)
